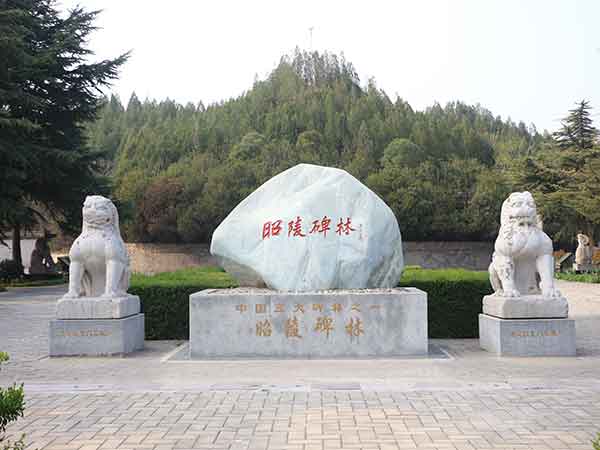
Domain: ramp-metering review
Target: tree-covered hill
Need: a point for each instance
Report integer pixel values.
(178, 170)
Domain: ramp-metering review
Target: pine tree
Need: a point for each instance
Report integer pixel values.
(577, 130)
(47, 91)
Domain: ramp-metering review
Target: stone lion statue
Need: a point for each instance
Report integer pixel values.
(522, 263)
(99, 262)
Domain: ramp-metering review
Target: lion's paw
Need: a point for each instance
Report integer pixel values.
(511, 293)
(552, 293)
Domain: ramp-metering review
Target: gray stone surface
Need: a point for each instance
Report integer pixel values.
(525, 307)
(96, 337)
(146, 401)
(226, 323)
(97, 307)
(310, 228)
(527, 337)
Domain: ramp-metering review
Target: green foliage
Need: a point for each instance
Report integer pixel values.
(564, 176)
(12, 406)
(10, 270)
(446, 166)
(454, 299)
(566, 185)
(579, 277)
(48, 88)
(596, 442)
(165, 298)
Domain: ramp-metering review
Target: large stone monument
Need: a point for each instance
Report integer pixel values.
(526, 315)
(319, 255)
(97, 316)
(311, 228)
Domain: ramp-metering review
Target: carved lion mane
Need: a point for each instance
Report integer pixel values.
(522, 262)
(99, 262)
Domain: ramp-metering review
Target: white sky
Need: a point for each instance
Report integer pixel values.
(527, 59)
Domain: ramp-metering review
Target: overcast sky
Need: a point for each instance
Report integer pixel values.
(527, 59)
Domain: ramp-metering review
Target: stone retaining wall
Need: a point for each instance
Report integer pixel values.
(440, 254)
(155, 258)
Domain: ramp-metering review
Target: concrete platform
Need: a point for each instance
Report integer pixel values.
(253, 323)
(527, 337)
(96, 337)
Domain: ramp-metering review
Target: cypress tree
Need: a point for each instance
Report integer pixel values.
(577, 130)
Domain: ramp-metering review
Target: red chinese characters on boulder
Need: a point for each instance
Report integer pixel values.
(295, 228)
(319, 226)
(345, 228)
(271, 229)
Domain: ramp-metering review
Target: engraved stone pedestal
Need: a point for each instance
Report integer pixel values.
(97, 326)
(527, 337)
(258, 323)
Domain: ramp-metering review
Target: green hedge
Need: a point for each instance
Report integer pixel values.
(454, 299)
(165, 298)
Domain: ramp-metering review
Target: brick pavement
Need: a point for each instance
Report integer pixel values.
(471, 400)
(359, 419)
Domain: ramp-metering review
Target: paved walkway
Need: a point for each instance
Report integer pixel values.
(467, 399)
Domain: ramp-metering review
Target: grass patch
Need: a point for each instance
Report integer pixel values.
(580, 277)
(416, 274)
(208, 276)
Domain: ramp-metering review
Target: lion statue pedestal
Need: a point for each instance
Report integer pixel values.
(97, 316)
(526, 315)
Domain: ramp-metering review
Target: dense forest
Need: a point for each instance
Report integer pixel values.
(177, 170)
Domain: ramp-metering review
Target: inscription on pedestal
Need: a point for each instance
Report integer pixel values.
(534, 333)
(83, 333)
(69, 337)
(261, 322)
(527, 337)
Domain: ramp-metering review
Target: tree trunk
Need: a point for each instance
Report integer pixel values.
(16, 245)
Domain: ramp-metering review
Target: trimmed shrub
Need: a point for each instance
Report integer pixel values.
(10, 270)
(165, 298)
(454, 299)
